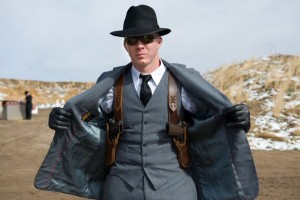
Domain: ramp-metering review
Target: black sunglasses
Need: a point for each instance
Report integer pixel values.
(145, 39)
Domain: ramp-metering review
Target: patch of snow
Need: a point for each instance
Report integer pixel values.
(267, 144)
(266, 59)
(292, 104)
(295, 79)
(2, 96)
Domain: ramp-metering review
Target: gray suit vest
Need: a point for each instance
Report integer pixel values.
(145, 148)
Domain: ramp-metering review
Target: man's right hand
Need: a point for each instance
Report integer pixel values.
(59, 119)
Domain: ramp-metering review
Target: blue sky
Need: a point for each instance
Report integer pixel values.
(69, 40)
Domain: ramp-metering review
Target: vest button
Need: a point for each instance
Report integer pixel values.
(145, 155)
(144, 145)
(145, 123)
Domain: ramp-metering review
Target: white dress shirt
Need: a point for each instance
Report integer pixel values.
(156, 75)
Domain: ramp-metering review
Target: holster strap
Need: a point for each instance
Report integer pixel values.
(118, 98)
(114, 127)
(176, 127)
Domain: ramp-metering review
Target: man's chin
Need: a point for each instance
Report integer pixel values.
(141, 62)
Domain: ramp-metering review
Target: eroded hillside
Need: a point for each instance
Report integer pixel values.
(270, 86)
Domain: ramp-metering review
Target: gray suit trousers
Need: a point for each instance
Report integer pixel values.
(182, 187)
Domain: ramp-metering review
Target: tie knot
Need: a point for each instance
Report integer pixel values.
(145, 78)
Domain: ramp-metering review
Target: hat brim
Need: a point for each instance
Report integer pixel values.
(140, 31)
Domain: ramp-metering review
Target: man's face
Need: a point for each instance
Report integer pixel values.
(143, 50)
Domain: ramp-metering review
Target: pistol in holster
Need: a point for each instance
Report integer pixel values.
(179, 133)
(113, 131)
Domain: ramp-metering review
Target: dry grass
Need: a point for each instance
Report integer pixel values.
(279, 101)
(272, 136)
(276, 76)
(276, 73)
(296, 132)
(285, 85)
(42, 92)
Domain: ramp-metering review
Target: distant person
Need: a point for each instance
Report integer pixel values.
(28, 104)
(150, 130)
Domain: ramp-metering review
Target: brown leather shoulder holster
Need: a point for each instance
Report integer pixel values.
(114, 126)
(176, 127)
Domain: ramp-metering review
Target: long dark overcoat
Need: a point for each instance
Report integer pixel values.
(222, 164)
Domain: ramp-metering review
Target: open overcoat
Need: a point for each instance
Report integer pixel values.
(222, 164)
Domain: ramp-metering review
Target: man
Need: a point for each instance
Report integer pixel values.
(126, 137)
(28, 104)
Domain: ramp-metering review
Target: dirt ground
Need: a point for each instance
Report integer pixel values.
(24, 143)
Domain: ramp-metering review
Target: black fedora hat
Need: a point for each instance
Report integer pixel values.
(140, 20)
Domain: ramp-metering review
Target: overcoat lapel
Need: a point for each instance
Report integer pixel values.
(74, 163)
(221, 156)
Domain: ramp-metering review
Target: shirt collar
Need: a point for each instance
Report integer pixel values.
(156, 75)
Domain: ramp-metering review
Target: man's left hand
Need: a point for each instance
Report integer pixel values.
(238, 116)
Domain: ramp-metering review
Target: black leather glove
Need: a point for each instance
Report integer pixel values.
(238, 116)
(59, 119)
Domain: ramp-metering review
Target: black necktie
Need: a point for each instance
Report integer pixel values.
(145, 93)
